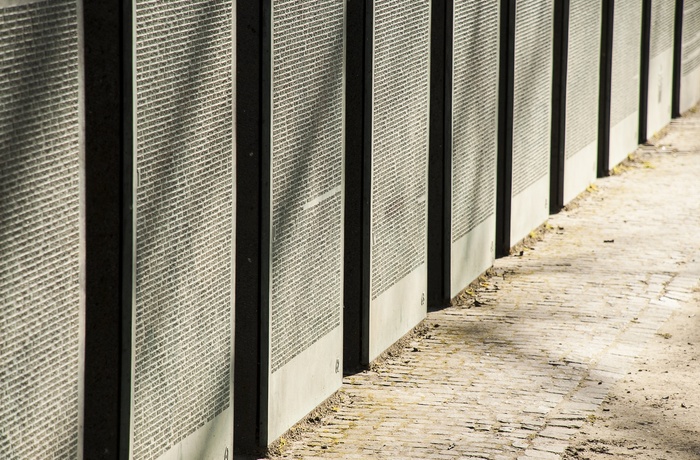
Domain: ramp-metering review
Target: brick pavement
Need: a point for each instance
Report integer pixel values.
(515, 374)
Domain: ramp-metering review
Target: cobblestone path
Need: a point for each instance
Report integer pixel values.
(516, 373)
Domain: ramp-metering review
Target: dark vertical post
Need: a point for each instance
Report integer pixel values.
(102, 217)
(127, 220)
(644, 71)
(439, 177)
(264, 232)
(561, 54)
(605, 88)
(366, 175)
(249, 152)
(445, 106)
(677, 59)
(505, 128)
(354, 165)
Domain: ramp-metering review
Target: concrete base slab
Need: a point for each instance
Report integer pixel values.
(529, 209)
(396, 311)
(660, 93)
(303, 383)
(471, 255)
(624, 138)
(580, 171)
(690, 90)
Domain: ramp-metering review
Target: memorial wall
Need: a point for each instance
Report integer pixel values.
(473, 139)
(41, 298)
(183, 230)
(582, 89)
(240, 127)
(690, 60)
(531, 125)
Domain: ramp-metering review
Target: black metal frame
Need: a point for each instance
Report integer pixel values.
(358, 169)
(644, 72)
(505, 128)
(265, 219)
(355, 213)
(677, 59)
(127, 219)
(440, 156)
(366, 179)
(605, 88)
(107, 224)
(558, 139)
(250, 261)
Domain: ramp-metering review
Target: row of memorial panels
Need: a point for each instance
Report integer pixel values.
(293, 181)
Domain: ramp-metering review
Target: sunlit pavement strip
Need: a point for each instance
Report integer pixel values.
(517, 376)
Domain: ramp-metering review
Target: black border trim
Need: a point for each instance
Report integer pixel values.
(265, 218)
(249, 145)
(367, 178)
(677, 59)
(447, 108)
(505, 128)
(606, 46)
(558, 144)
(440, 158)
(644, 72)
(354, 257)
(127, 220)
(103, 161)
